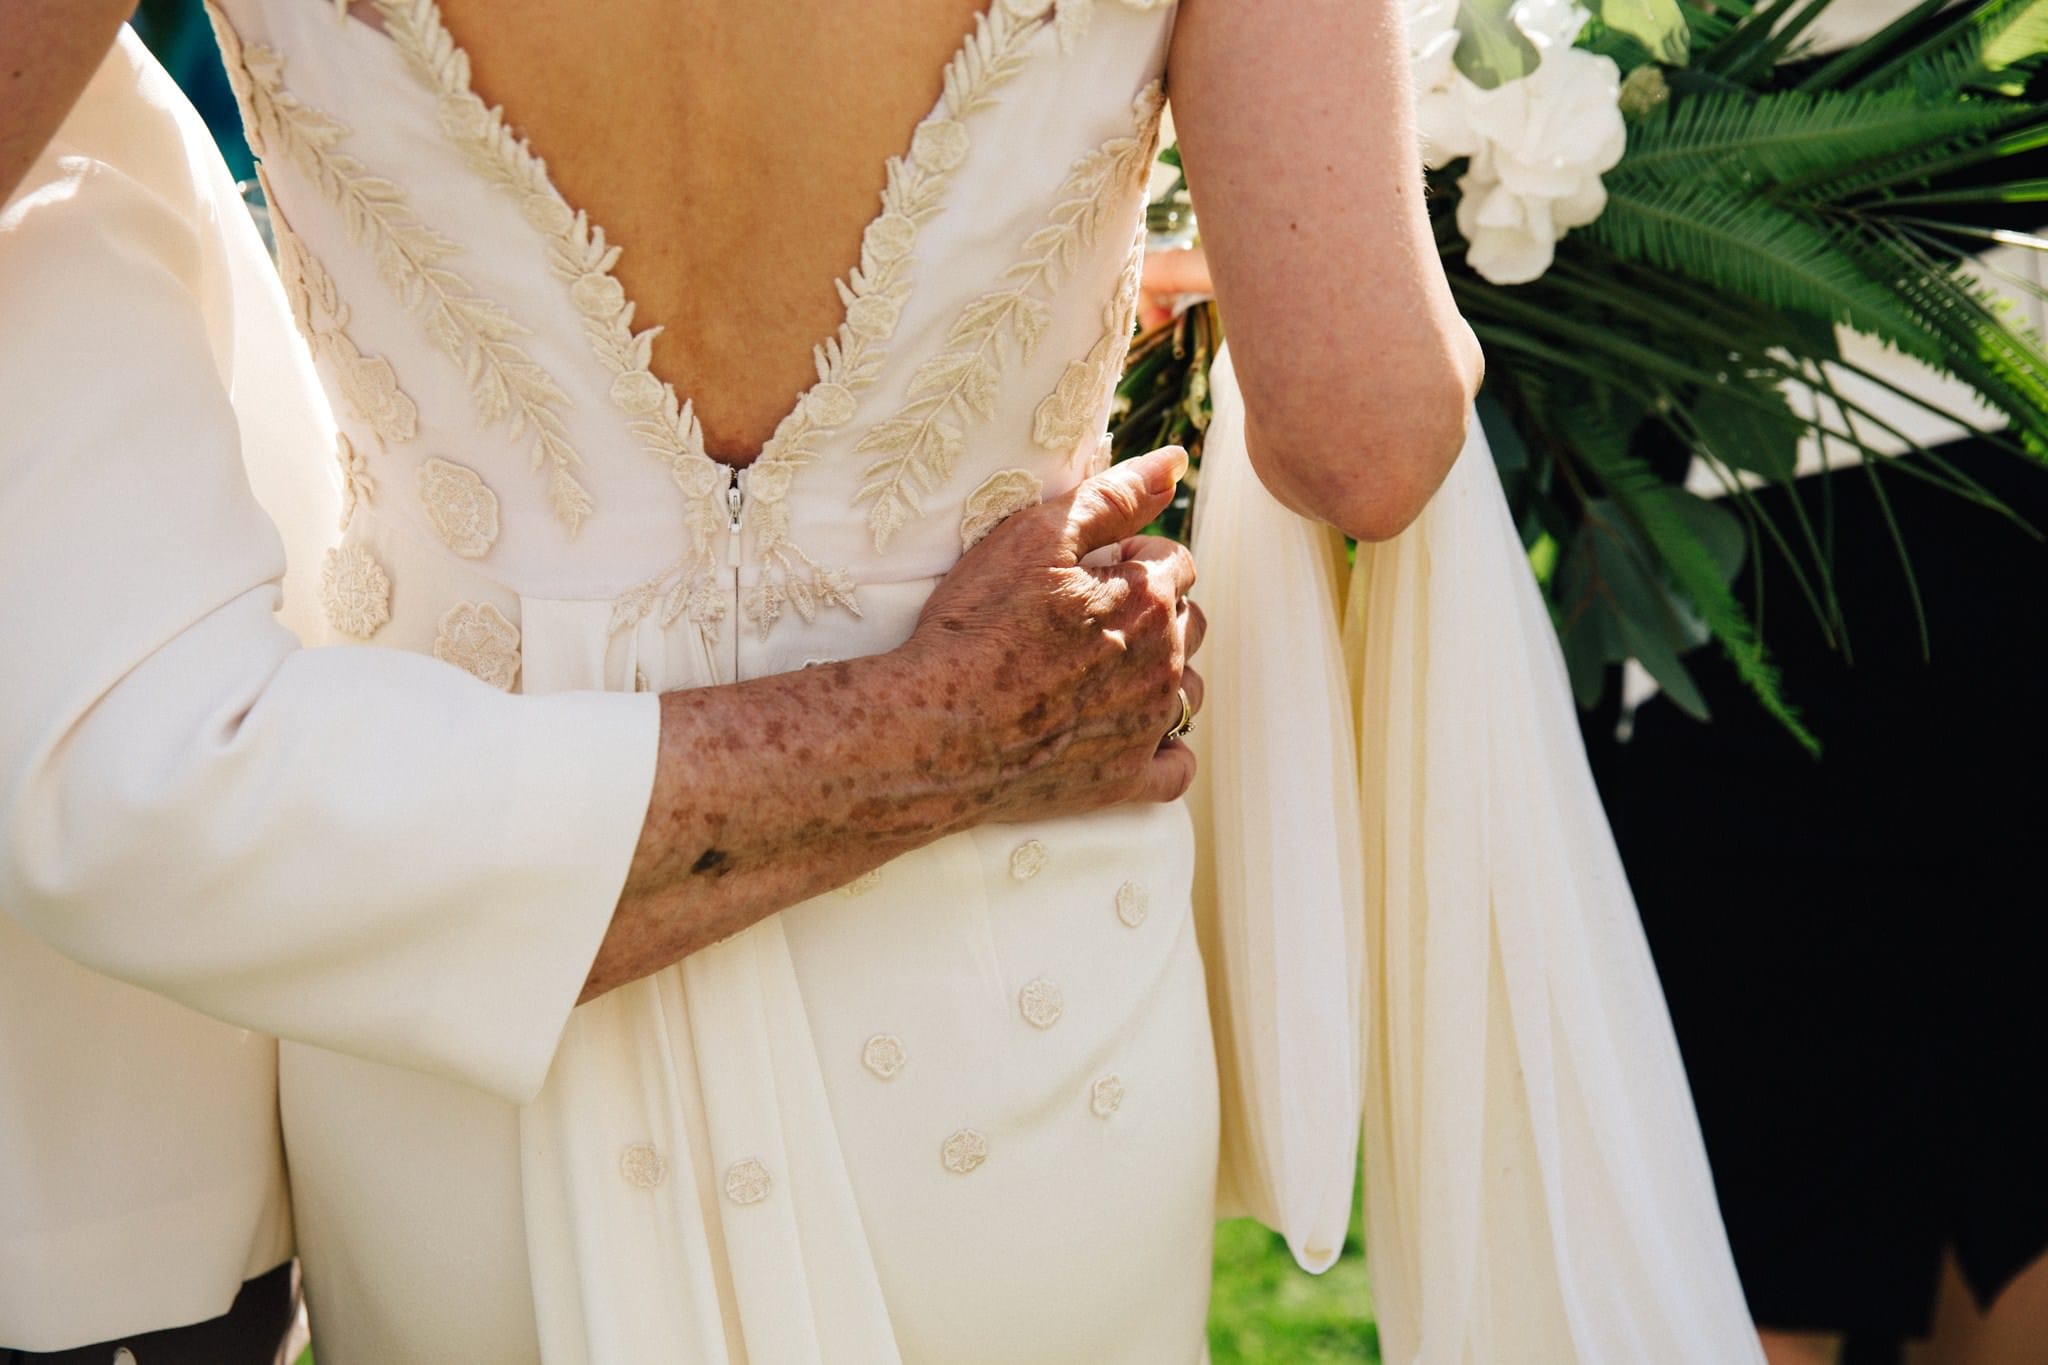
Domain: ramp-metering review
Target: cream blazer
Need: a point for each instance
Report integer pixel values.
(364, 849)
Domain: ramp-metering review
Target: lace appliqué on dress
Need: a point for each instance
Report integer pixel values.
(505, 383)
(1002, 494)
(463, 511)
(1064, 420)
(919, 447)
(368, 384)
(355, 592)
(873, 294)
(876, 292)
(476, 637)
(1073, 17)
(357, 487)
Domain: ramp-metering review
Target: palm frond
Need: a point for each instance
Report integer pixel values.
(1980, 344)
(1995, 32)
(1789, 136)
(1779, 258)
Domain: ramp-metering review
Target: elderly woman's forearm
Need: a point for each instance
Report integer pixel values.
(772, 791)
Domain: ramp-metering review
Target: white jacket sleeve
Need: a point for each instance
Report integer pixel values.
(356, 848)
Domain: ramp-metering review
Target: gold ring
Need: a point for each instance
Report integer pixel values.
(1187, 720)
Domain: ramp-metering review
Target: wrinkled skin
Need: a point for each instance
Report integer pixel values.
(1040, 681)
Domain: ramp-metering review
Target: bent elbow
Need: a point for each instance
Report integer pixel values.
(1372, 477)
(1412, 464)
(1364, 449)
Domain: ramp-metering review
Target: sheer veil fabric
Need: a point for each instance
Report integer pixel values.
(1536, 1189)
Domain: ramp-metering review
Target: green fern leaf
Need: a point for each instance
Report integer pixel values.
(1754, 248)
(1979, 343)
(1772, 139)
(1699, 569)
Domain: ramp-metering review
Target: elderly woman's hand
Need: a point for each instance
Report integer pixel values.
(1043, 679)
(1062, 641)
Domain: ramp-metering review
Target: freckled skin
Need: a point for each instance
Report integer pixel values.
(1031, 688)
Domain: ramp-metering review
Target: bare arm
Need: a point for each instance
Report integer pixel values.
(48, 51)
(1298, 135)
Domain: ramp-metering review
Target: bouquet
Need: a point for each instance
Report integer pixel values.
(1661, 217)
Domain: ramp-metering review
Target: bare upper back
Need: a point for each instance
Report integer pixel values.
(735, 149)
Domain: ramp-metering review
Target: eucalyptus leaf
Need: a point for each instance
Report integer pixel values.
(1491, 50)
(1659, 25)
(1714, 527)
(1587, 626)
(1662, 663)
(1759, 433)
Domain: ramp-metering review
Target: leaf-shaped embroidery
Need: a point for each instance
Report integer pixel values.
(1062, 421)
(920, 445)
(873, 293)
(472, 331)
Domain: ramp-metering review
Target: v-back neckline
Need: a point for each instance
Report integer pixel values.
(450, 56)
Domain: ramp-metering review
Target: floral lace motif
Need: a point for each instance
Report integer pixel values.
(1133, 903)
(874, 295)
(643, 1166)
(884, 1055)
(1041, 1002)
(475, 636)
(478, 334)
(963, 1152)
(919, 447)
(1074, 17)
(355, 592)
(1064, 419)
(746, 1181)
(1027, 860)
(368, 383)
(356, 484)
(1001, 495)
(463, 511)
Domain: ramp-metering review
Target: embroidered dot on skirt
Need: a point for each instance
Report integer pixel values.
(643, 1166)
(964, 1151)
(1041, 1002)
(1026, 860)
(746, 1182)
(884, 1055)
(1133, 902)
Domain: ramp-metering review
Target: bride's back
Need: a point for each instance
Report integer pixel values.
(735, 148)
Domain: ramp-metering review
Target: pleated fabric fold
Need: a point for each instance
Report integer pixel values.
(1535, 1185)
(707, 1078)
(1279, 868)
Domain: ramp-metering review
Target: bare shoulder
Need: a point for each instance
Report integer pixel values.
(48, 51)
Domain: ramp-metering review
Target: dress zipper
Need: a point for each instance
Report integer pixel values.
(735, 508)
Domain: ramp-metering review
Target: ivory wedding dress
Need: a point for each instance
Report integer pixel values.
(968, 1108)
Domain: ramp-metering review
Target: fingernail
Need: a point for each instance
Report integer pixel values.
(1165, 476)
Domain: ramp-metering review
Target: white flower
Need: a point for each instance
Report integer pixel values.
(1432, 38)
(1546, 141)
(1537, 145)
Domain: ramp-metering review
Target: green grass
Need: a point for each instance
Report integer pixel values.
(1266, 1310)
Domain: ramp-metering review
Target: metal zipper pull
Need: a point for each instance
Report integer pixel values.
(735, 502)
